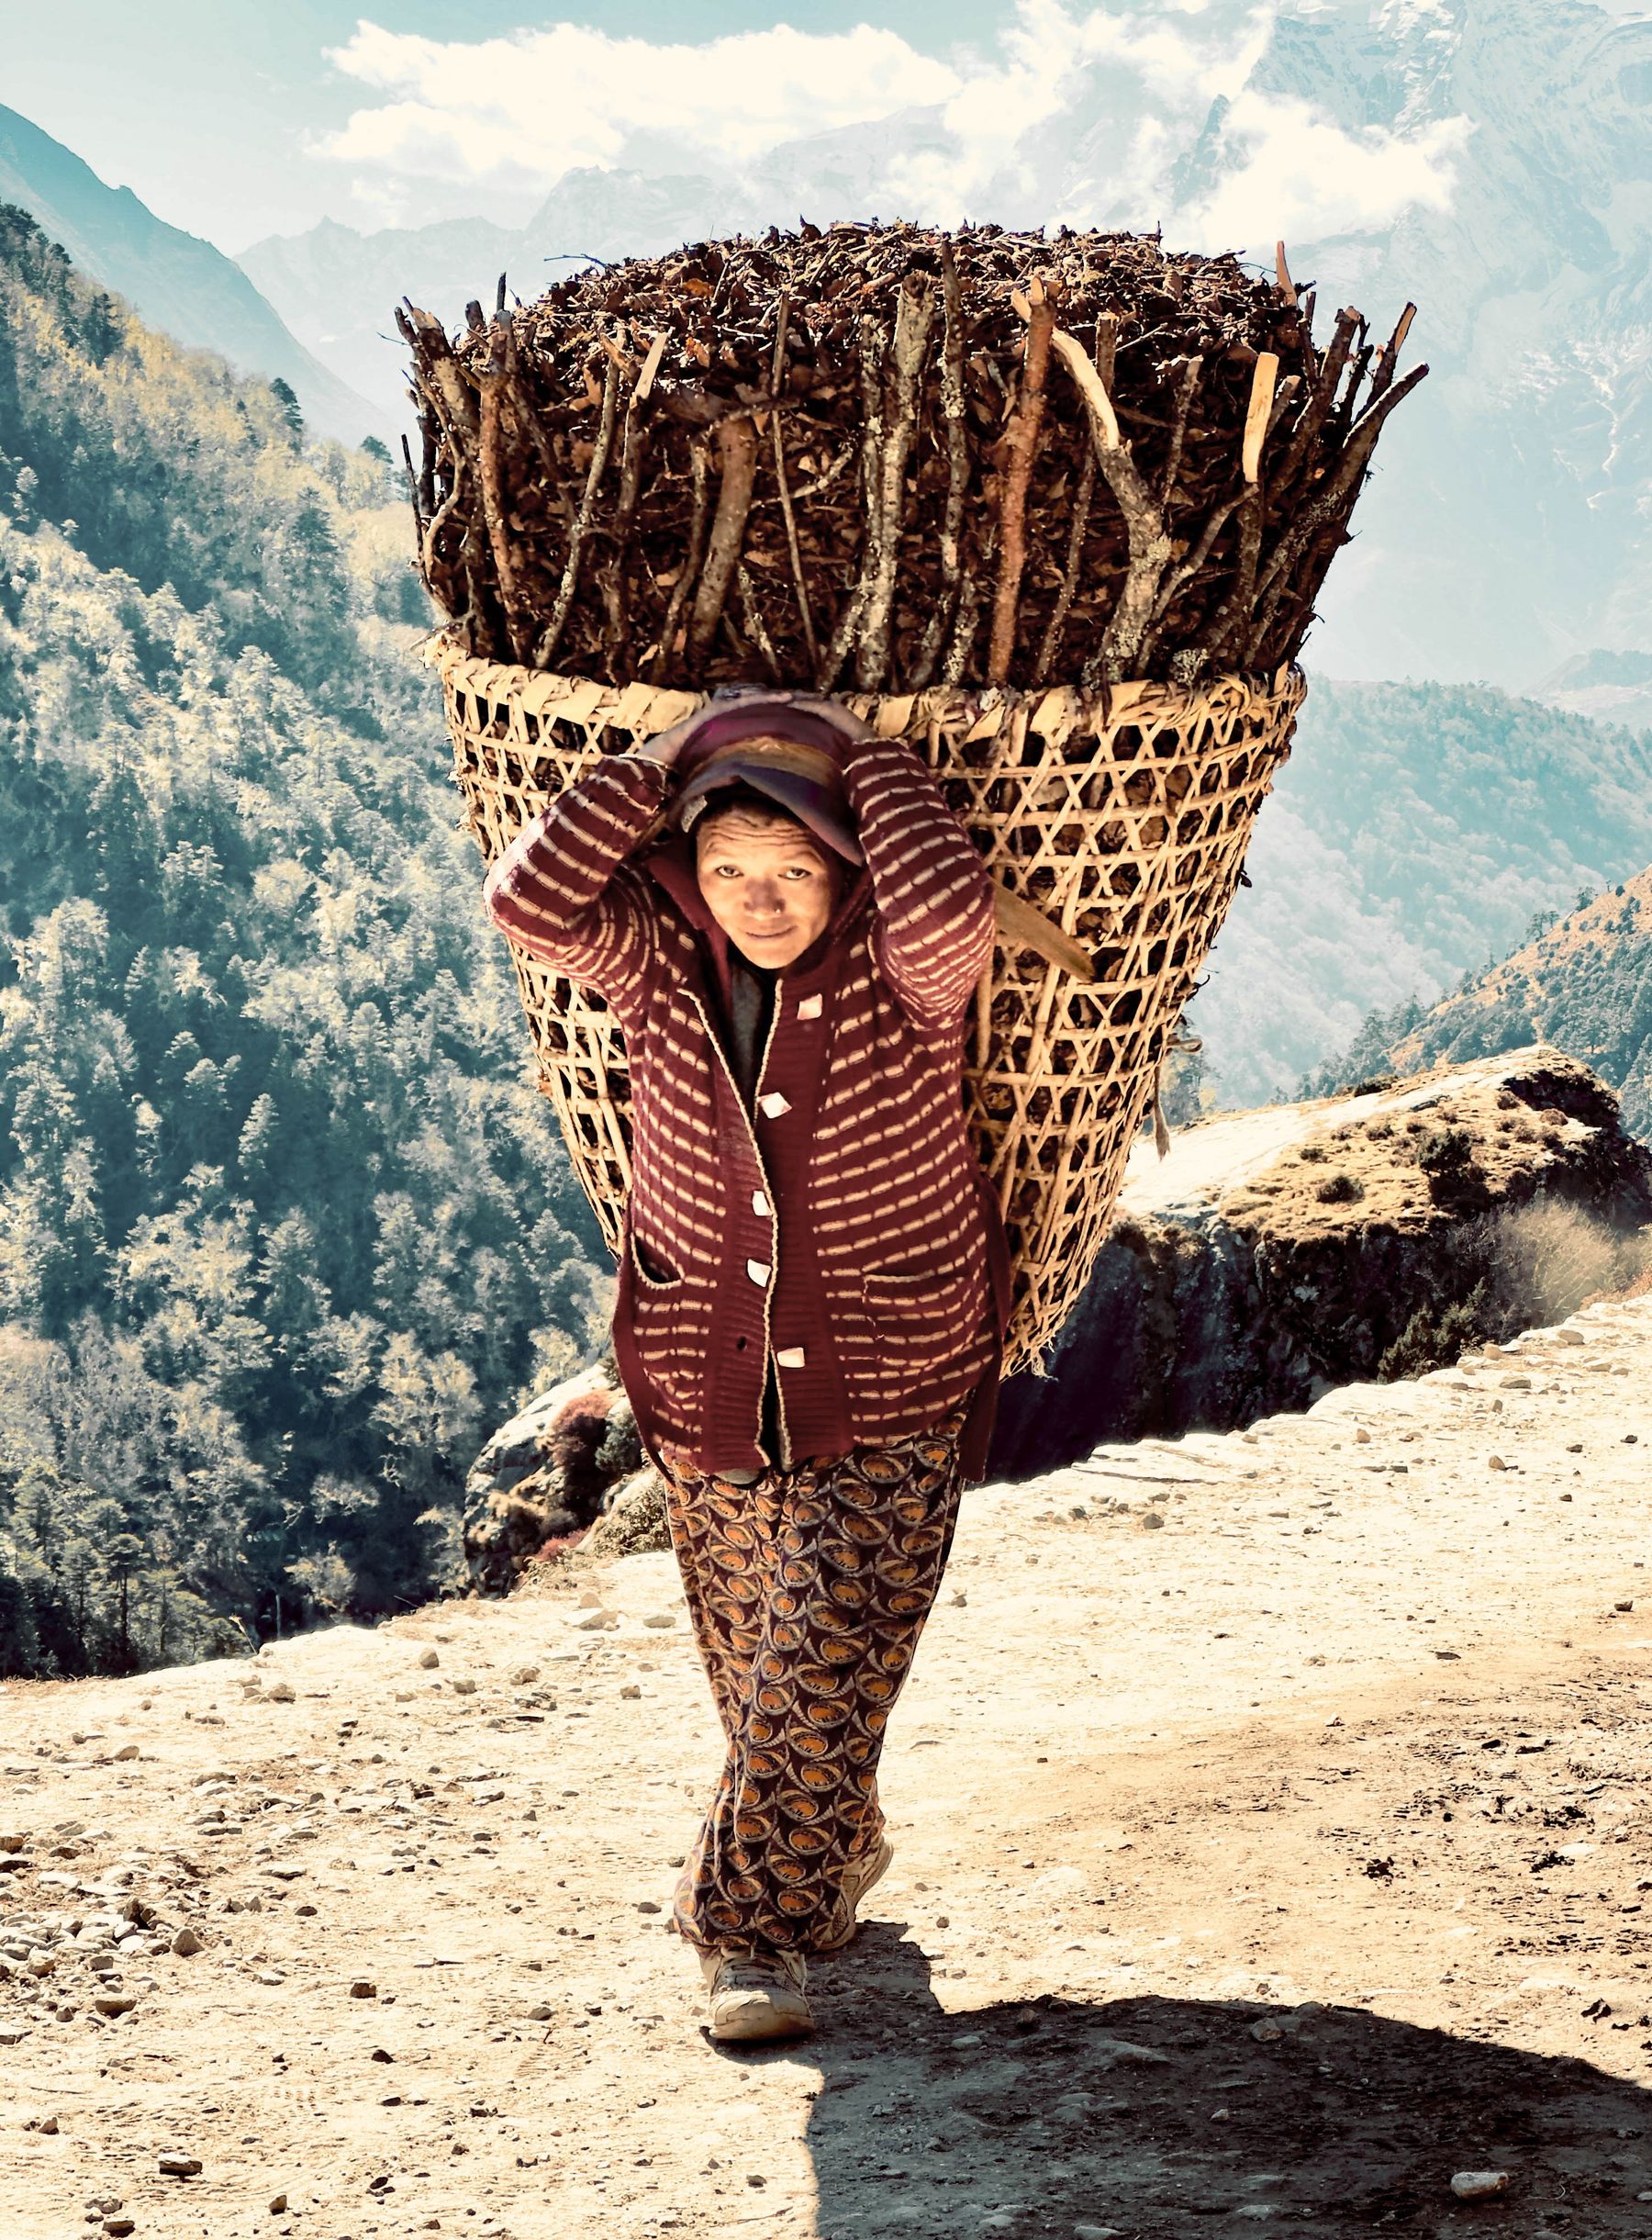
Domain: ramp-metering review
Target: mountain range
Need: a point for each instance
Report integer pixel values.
(1415, 836)
(1503, 536)
(1583, 982)
(175, 281)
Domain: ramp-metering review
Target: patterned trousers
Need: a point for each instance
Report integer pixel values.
(808, 1591)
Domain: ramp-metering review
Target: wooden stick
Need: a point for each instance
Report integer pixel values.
(1313, 415)
(1339, 485)
(582, 521)
(964, 627)
(914, 308)
(1069, 581)
(757, 629)
(1388, 358)
(1148, 539)
(799, 581)
(518, 623)
(699, 479)
(437, 522)
(953, 405)
(1233, 613)
(613, 580)
(871, 343)
(1258, 412)
(418, 518)
(737, 460)
(1191, 369)
(1020, 445)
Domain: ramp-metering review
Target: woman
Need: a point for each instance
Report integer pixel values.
(789, 923)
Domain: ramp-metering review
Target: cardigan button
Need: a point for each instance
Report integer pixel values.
(758, 1270)
(760, 1205)
(773, 1106)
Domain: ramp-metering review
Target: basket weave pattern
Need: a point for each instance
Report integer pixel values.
(1124, 815)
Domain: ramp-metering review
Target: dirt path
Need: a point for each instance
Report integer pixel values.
(1272, 1864)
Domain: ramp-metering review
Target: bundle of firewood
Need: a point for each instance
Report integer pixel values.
(886, 457)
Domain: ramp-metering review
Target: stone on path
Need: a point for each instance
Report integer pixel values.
(1480, 2185)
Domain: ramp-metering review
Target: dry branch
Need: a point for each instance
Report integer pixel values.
(841, 451)
(1019, 445)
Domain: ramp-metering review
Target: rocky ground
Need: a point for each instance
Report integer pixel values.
(1275, 1842)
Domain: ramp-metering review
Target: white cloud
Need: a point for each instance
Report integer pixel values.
(516, 113)
(1114, 79)
(1303, 175)
(1076, 116)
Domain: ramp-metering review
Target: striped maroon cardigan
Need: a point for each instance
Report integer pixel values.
(847, 1227)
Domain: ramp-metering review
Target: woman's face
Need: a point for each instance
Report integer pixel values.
(767, 883)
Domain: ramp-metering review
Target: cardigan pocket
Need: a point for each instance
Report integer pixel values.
(921, 1318)
(652, 1271)
(669, 1322)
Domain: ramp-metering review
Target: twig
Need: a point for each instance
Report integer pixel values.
(1148, 539)
(518, 622)
(1191, 368)
(582, 520)
(1340, 485)
(967, 622)
(1020, 445)
(799, 581)
(756, 630)
(913, 311)
(634, 444)
(699, 477)
(1388, 357)
(1234, 610)
(1069, 581)
(437, 522)
(418, 518)
(871, 455)
(957, 469)
(737, 459)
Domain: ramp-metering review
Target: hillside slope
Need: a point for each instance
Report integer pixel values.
(282, 1223)
(1413, 835)
(1584, 983)
(174, 281)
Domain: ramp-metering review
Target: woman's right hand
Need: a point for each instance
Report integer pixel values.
(667, 746)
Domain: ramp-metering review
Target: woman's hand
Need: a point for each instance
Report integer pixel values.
(665, 746)
(841, 718)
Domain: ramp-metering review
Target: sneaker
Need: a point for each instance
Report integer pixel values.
(757, 1996)
(858, 1877)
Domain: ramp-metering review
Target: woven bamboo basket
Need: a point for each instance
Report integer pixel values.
(1122, 815)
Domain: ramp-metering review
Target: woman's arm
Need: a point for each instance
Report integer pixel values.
(560, 890)
(933, 893)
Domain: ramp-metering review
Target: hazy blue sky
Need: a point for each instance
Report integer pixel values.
(205, 107)
(228, 117)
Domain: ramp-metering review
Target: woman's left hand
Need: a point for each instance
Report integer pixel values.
(667, 746)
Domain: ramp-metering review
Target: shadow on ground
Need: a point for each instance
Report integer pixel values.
(1157, 2118)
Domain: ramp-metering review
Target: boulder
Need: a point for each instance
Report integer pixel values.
(1272, 1255)
(634, 1519)
(544, 1477)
